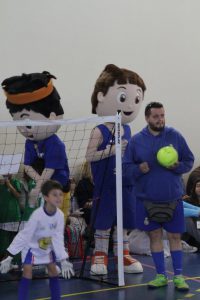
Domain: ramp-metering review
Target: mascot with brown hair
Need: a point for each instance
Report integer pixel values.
(33, 96)
(115, 90)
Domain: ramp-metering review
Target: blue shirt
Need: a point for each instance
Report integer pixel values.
(159, 184)
(103, 170)
(52, 150)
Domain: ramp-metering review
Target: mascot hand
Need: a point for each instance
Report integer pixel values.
(124, 144)
(67, 269)
(111, 148)
(5, 265)
(33, 198)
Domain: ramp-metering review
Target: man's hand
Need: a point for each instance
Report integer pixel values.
(67, 269)
(5, 265)
(144, 167)
(174, 166)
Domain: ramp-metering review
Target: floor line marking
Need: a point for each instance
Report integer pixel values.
(195, 279)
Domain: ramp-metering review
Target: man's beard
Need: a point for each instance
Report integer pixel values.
(155, 128)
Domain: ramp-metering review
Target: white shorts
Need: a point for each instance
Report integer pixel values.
(30, 259)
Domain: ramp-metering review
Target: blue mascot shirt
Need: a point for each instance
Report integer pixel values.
(52, 150)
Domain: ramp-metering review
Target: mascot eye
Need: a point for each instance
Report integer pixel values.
(137, 99)
(121, 97)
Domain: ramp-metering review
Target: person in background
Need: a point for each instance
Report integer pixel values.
(84, 192)
(192, 221)
(157, 184)
(9, 211)
(192, 177)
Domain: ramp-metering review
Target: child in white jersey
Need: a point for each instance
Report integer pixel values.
(42, 242)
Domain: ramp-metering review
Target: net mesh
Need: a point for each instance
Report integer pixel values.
(79, 232)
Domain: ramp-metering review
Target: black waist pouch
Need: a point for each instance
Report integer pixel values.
(160, 212)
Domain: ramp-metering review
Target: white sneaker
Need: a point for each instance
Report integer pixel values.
(187, 248)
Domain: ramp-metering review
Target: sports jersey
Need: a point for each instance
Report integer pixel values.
(104, 196)
(41, 235)
(52, 150)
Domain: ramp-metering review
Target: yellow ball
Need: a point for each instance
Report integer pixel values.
(167, 156)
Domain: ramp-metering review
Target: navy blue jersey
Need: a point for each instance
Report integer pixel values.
(52, 150)
(104, 177)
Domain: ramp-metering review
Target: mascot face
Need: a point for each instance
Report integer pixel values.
(36, 133)
(33, 96)
(124, 97)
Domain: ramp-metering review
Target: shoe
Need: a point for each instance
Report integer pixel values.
(160, 281)
(131, 265)
(99, 264)
(180, 284)
(187, 248)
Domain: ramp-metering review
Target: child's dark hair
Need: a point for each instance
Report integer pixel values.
(50, 185)
(193, 192)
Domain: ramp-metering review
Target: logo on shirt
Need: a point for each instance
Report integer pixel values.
(44, 243)
(53, 225)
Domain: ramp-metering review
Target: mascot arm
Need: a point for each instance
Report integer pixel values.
(33, 195)
(31, 173)
(93, 154)
(46, 174)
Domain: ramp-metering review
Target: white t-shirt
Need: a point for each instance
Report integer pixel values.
(42, 234)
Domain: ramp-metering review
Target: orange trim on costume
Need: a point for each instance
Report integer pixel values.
(25, 98)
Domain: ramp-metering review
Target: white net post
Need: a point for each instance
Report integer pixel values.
(119, 200)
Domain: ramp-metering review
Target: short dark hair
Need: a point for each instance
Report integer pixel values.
(151, 105)
(50, 185)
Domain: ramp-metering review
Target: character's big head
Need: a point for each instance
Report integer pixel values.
(118, 89)
(33, 96)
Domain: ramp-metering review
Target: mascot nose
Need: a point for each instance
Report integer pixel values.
(28, 127)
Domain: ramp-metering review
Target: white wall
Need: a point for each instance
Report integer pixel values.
(75, 39)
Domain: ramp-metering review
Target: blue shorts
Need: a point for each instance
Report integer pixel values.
(176, 225)
(105, 212)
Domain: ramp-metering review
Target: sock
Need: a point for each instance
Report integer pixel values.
(159, 261)
(102, 240)
(125, 241)
(54, 288)
(177, 261)
(23, 292)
